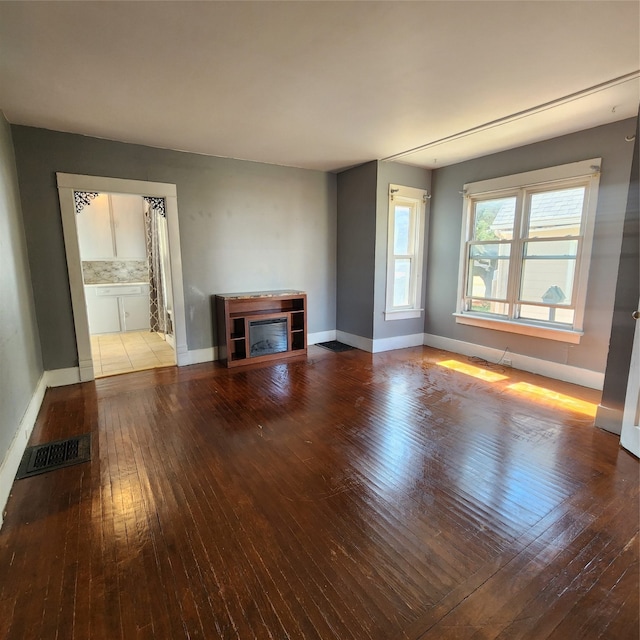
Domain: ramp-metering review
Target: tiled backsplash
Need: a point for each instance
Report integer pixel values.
(110, 271)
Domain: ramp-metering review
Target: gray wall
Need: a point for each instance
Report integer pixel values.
(607, 142)
(20, 358)
(627, 294)
(407, 176)
(356, 249)
(243, 226)
(363, 219)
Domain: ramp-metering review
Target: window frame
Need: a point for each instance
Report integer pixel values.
(523, 186)
(417, 199)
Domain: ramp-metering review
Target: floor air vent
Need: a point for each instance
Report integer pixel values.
(54, 455)
(334, 345)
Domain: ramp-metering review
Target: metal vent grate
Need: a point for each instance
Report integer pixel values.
(334, 345)
(54, 455)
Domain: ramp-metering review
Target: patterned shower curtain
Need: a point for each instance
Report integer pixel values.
(159, 320)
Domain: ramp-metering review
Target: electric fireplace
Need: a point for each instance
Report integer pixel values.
(267, 336)
(261, 326)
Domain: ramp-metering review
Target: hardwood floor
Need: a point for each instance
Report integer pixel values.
(407, 495)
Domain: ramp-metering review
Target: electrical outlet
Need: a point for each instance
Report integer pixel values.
(507, 362)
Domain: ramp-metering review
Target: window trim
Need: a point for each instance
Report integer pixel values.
(417, 197)
(585, 172)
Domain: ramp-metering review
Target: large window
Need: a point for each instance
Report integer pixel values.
(526, 250)
(405, 251)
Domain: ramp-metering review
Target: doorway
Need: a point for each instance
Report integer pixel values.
(126, 272)
(630, 436)
(116, 309)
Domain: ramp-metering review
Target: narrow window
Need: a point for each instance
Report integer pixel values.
(405, 252)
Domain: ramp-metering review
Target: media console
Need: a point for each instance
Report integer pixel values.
(260, 326)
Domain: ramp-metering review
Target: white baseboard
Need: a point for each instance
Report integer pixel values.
(398, 342)
(62, 377)
(556, 370)
(321, 336)
(183, 355)
(12, 459)
(381, 344)
(85, 370)
(609, 419)
(198, 356)
(365, 344)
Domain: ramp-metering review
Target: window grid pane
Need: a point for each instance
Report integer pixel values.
(548, 272)
(402, 282)
(547, 314)
(556, 213)
(488, 270)
(488, 306)
(494, 219)
(402, 226)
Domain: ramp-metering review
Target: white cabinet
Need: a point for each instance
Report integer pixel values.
(128, 227)
(117, 307)
(103, 312)
(94, 229)
(112, 227)
(134, 312)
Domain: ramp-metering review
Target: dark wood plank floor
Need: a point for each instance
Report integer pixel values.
(351, 496)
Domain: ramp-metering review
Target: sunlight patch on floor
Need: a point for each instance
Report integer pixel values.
(471, 370)
(553, 398)
(524, 389)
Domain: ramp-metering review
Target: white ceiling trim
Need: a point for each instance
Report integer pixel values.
(627, 79)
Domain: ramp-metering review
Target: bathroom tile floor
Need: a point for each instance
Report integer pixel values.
(115, 353)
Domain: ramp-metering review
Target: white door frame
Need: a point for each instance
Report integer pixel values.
(67, 184)
(630, 435)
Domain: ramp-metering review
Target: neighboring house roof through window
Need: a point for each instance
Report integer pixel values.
(548, 209)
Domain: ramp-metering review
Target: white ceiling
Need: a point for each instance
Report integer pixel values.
(320, 85)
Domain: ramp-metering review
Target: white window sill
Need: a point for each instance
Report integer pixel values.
(403, 314)
(523, 328)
